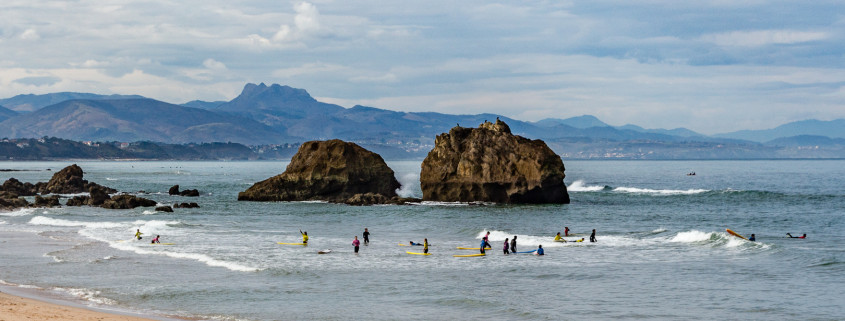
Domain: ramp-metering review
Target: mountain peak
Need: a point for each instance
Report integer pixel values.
(275, 91)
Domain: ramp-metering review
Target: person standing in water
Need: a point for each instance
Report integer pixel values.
(356, 243)
(138, 234)
(566, 230)
(593, 236)
(425, 245)
(505, 249)
(513, 244)
(305, 236)
(366, 237)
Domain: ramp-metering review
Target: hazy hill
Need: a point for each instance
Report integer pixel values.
(135, 120)
(6, 113)
(585, 121)
(32, 102)
(807, 141)
(832, 129)
(203, 104)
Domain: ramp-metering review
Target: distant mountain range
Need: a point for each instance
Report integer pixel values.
(278, 114)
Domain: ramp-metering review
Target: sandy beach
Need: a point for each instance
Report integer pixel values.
(15, 308)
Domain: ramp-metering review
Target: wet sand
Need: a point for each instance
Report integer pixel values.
(15, 308)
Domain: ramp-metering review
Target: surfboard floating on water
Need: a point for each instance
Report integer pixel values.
(469, 255)
(735, 234)
(326, 251)
(416, 253)
(291, 243)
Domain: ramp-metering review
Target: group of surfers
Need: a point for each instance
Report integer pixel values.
(138, 236)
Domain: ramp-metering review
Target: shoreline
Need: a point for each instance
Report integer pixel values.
(19, 304)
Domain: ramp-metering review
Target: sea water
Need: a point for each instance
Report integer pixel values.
(662, 250)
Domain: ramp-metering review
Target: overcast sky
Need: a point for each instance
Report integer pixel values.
(710, 66)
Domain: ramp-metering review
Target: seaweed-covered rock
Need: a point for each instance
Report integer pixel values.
(489, 164)
(331, 170)
(51, 201)
(20, 188)
(11, 201)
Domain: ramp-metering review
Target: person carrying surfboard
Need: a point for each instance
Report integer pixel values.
(356, 243)
(305, 236)
(138, 234)
(425, 245)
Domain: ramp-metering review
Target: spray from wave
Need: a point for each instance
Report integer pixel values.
(578, 186)
(410, 185)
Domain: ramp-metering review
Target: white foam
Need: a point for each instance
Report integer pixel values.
(408, 181)
(149, 212)
(111, 179)
(40, 220)
(19, 212)
(128, 246)
(635, 190)
(660, 230)
(578, 186)
(691, 236)
(89, 295)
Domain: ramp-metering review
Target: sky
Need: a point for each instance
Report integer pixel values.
(710, 66)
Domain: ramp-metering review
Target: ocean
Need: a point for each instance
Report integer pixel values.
(662, 250)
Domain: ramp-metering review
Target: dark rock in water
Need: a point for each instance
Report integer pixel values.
(11, 201)
(98, 195)
(186, 205)
(165, 208)
(366, 199)
(188, 192)
(68, 181)
(126, 201)
(79, 201)
(15, 186)
(489, 164)
(52, 201)
(331, 171)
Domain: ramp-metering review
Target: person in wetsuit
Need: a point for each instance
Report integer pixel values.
(138, 234)
(593, 236)
(356, 243)
(797, 237)
(752, 238)
(366, 237)
(305, 236)
(558, 238)
(566, 230)
(513, 244)
(505, 249)
(425, 245)
(540, 250)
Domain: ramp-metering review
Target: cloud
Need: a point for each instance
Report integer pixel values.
(30, 34)
(763, 37)
(214, 65)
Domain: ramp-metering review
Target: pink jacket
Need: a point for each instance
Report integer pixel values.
(356, 242)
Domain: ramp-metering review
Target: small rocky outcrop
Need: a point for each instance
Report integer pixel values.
(165, 208)
(332, 171)
(69, 181)
(11, 201)
(174, 190)
(489, 164)
(13, 185)
(51, 201)
(186, 205)
(126, 201)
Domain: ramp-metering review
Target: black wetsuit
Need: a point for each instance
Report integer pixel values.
(366, 237)
(513, 245)
(593, 236)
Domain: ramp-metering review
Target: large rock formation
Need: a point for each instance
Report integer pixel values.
(489, 164)
(69, 181)
(331, 171)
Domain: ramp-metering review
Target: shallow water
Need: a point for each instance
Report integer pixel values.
(661, 253)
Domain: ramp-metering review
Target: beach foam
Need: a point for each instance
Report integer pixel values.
(578, 186)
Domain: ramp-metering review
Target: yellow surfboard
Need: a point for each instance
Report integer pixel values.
(415, 253)
(735, 234)
(469, 255)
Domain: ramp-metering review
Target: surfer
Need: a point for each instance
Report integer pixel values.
(540, 250)
(138, 234)
(415, 244)
(155, 240)
(484, 244)
(752, 238)
(366, 237)
(513, 244)
(565, 231)
(507, 244)
(581, 240)
(356, 243)
(593, 236)
(558, 238)
(305, 236)
(425, 245)
(797, 237)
